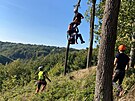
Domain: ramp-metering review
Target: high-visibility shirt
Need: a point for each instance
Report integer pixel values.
(41, 75)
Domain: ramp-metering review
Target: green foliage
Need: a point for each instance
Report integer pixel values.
(20, 72)
(4, 60)
(125, 22)
(57, 70)
(19, 84)
(80, 60)
(33, 56)
(14, 74)
(60, 89)
(129, 78)
(26, 51)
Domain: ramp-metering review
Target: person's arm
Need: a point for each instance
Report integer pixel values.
(47, 77)
(69, 27)
(82, 17)
(74, 18)
(115, 61)
(127, 66)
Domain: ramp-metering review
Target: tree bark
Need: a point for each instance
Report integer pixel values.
(132, 51)
(89, 56)
(66, 58)
(103, 88)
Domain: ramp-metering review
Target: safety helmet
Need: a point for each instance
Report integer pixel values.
(122, 47)
(40, 68)
(75, 10)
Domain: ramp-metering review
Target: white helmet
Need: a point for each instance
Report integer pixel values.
(40, 67)
(75, 10)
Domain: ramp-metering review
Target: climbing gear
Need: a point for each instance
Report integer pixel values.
(72, 40)
(71, 34)
(122, 47)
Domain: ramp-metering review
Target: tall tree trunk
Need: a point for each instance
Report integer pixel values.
(132, 51)
(89, 56)
(66, 58)
(103, 89)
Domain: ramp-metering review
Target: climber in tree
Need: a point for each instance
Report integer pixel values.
(121, 61)
(73, 33)
(41, 80)
(78, 16)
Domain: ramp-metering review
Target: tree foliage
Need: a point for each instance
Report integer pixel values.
(125, 21)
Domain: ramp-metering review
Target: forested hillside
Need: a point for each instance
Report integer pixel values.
(27, 51)
(19, 76)
(4, 60)
(47, 55)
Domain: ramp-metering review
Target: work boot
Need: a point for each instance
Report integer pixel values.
(82, 42)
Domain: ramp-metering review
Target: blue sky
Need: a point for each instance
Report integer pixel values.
(41, 22)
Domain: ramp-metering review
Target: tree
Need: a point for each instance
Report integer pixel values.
(126, 29)
(132, 25)
(132, 51)
(103, 89)
(89, 57)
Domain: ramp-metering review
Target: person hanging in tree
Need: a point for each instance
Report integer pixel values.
(121, 61)
(41, 80)
(73, 33)
(78, 16)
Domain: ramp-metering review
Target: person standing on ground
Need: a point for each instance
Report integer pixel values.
(121, 61)
(41, 80)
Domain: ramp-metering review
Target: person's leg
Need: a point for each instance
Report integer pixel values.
(116, 76)
(115, 79)
(44, 83)
(76, 38)
(38, 86)
(121, 77)
(43, 87)
(80, 36)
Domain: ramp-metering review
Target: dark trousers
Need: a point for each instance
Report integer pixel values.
(41, 83)
(79, 36)
(119, 75)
